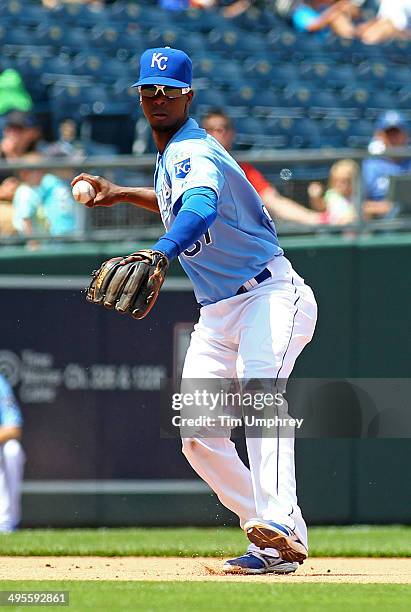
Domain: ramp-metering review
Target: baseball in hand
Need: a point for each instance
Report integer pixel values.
(83, 192)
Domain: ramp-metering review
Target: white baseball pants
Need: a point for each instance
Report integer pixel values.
(258, 334)
(12, 460)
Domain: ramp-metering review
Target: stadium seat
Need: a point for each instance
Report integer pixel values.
(104, 69)
(77, 13)
(317, 73)
(379, 101)
(19, 36)
(208, 98)
(197, 20)
(33, 14)
(74, 39)
(227, 74)
(360, 133)
(223, 42)
(341, 75)
(323, 103)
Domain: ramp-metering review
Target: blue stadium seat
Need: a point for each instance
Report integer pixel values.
(335, 132)
(299, 133)
(316, 72)
(356, 97)
(261, 70)
(77, 13)
(398, 76)
(323, 103)
(223, 42)
(74, 39)
(298, 95)
(197, 20)
(208, 98)
(33, 14)
(341, 75)
(404, 100)
(102, 68)
(19, 36)
(373, 72)
(379, 101)
(227, 74)
(360, 133)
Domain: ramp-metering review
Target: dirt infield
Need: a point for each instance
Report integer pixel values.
(356, 570)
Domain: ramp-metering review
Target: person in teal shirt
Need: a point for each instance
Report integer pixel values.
(43, 203)
(58, 205)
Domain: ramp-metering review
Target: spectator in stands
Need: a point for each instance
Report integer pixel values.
(43, 203)
(6, 218)
(21, 134)
(393, 20)
(13, 93)
(11, 458)
(28, 213)
(338, 202)
(53, 4)
(67, 143)
(320, 15)
(219, 124)
(391, 133)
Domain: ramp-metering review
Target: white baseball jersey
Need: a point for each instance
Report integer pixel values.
(242, 239)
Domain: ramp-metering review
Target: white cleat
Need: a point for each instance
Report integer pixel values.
(258, 563)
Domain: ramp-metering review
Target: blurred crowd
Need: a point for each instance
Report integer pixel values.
(391, 18)
(36, 202)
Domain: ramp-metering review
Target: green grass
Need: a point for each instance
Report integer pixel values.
(357, 541)
(185, 597)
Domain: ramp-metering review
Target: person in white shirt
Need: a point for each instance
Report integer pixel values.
(393, 20)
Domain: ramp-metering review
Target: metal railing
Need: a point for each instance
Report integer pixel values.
(289, 170)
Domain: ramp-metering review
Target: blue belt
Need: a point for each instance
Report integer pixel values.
(254, 281)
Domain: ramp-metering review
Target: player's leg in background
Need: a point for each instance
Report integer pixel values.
(5, 505)
(214, 457)
(14, 458)
(277, 324)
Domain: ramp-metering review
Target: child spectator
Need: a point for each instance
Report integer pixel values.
(43, 203)
(337, 203)
(28, 213)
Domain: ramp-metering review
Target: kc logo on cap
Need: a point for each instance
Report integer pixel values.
(165, 66)
(160, 60)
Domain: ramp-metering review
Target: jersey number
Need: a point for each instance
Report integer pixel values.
(198, 245)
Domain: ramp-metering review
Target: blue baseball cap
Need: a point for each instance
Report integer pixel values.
(391, 119)
(165, 66)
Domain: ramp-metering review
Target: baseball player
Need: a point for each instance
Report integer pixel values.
(11, 458)
(256, 314)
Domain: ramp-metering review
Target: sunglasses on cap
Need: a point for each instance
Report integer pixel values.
(150, 91)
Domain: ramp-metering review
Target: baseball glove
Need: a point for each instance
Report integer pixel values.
(129, 284)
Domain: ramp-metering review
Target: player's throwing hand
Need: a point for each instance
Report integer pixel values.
(107, 193)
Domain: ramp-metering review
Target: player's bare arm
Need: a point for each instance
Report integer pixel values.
(108, 193)
(283, 208)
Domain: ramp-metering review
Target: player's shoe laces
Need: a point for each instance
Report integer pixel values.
(267, 534)
(258, 563)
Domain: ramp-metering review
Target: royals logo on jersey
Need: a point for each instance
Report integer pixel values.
(182, 168)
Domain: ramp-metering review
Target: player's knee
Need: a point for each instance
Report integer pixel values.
(190, 447)
(12, 449)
